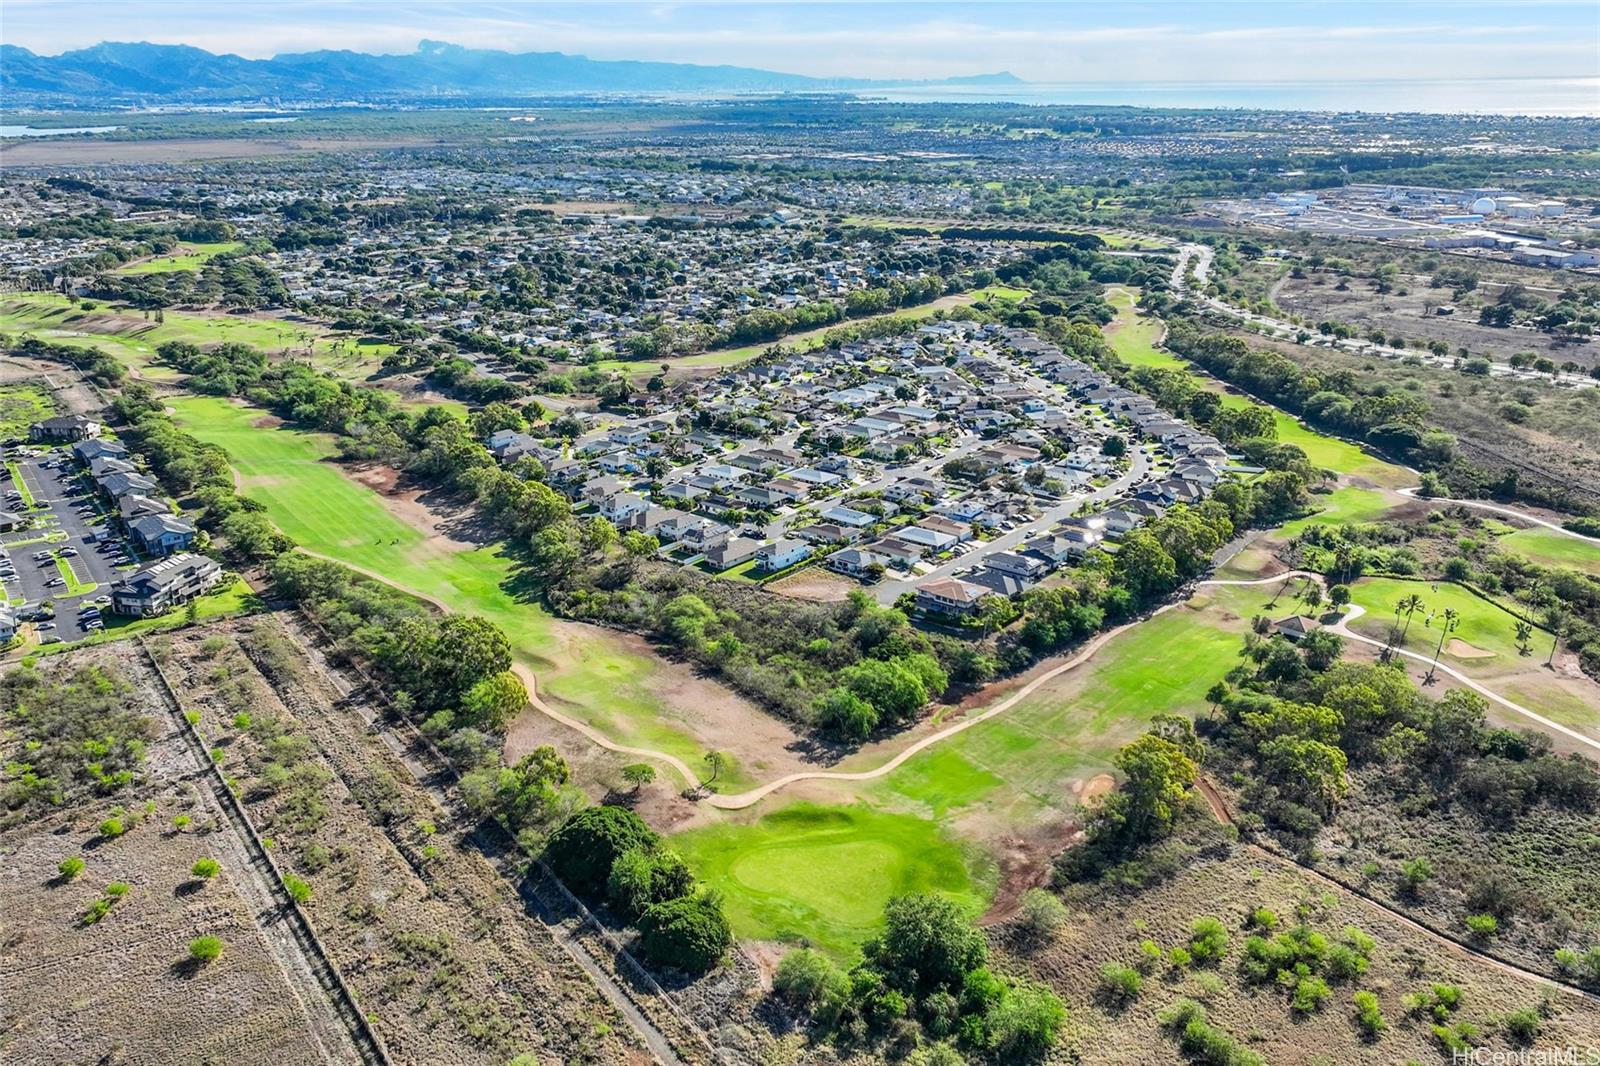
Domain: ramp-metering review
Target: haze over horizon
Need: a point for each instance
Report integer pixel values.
(1039, 42)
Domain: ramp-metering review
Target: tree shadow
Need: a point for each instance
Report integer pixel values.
(187, 968)
(188, 888)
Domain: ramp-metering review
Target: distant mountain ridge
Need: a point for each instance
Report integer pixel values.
(114, 72)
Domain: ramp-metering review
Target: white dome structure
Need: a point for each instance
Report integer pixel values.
(1483, 206)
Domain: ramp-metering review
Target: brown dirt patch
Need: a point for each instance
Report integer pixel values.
(267, 422)
(814, 583)
(1462, 650)
(1024, 862)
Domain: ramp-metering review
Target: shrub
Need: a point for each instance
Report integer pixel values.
(1209, 941)
(804, 977)
(689, 933)
(117, 889)
(640, 877)
(181, 822)
(299, 889)
(1120, 983)
(1149, 955)
(1264, 918)
(204, 949)
(1179, 958)
(1025, 1022)
(206, 869)
(112, 827)
(70, 868)
(1368, 1016)
(1042, 913)
(1522, 1026)
(1310, 992)
(1414, 873)
(97, 910)
(1482, 926)
(582, 851)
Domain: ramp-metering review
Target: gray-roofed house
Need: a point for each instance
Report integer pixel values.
(162, 534)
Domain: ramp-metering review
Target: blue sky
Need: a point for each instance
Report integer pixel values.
(1101, 41)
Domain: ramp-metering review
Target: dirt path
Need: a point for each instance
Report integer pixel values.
(755, 795)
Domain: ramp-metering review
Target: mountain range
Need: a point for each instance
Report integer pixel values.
(142, 73)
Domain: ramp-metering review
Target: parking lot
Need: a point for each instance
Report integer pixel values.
(66, 538)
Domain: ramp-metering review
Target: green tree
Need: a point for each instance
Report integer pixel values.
(638, 774)
(583, 849)
(491, 703)
(928, 943)
(689, 933)
(1158, 775)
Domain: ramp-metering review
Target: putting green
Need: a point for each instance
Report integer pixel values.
(821, 875)
(1549, 548)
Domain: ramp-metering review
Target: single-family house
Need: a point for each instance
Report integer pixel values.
(950, 595)
(781, 554)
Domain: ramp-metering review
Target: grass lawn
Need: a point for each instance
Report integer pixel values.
(74, 586)
(188, 257)
(1017, 765)
(1342, 507)
(312, 500)
(133, 339)
(822, 874)
(1002, 292)
(794, 342)
(1483, 624)
(1549, 548)
(21, 406)
(21, 484)
(1133, 336)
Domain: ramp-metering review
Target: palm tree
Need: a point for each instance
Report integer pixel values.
(1451, 620)
(1556, 618)
(1524, 634)
(1408, 606)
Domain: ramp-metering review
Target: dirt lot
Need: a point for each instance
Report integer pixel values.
(446, 962)
(122, 989)
(815, 583)
(1411, 316)
(1107, 926)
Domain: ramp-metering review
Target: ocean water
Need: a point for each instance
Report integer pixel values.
(1487, 96)
(30, 131)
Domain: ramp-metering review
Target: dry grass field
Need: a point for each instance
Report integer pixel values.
(445, 960)
(124, 989)
(1108, 925)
